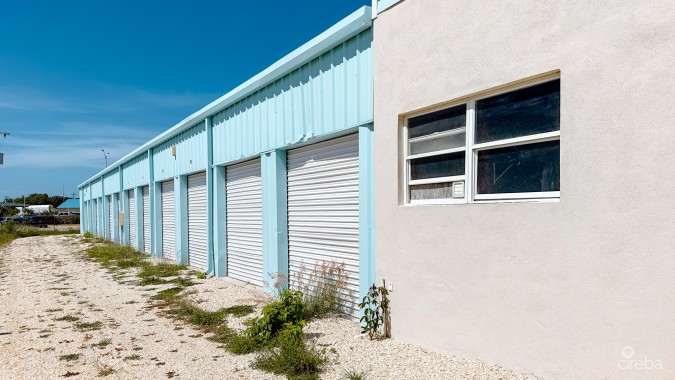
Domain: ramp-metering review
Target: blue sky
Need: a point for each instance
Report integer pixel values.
(80, 76)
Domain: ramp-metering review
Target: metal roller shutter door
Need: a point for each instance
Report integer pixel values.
(196, 202)
(119, 227)
(131, 209)
(95, 221)
(110, 219)
(244, 222)
(323, 210)
(145, 193)
(168, 221)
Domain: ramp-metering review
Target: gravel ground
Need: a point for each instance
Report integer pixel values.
(44, 279)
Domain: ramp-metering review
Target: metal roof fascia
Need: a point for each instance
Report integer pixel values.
(346, 28)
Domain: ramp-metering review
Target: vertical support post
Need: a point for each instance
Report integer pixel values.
(180, 196)
(275, 221)
(366, 209)
(155, 210)
(123, 204)
(104, 212)
(82, 211)
(210, 205)
(219, 222)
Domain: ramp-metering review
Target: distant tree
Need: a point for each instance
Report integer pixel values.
(8, 211)
(40, 199)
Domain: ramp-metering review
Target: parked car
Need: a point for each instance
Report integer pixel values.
(38, 221)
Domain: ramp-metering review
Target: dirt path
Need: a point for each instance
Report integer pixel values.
(64, 316)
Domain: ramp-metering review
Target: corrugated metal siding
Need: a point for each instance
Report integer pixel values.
(331, 93)
(323, 210)
(197, 213)
(145, 193)
(136, 172)
(111, 183)
(190, 154)
(244, 222)
(96, 189)
(168, 221)
(131, 209)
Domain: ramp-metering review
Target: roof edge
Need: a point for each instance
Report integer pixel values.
(344, 29)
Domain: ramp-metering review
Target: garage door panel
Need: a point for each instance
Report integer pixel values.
(168, 221)
(110, 217)
(131, 209)
(323, 211)
(244, 222)
(145, 197)
(197, 215)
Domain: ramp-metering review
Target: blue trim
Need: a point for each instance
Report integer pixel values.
(366, 210)
(275, 219)
(219, 222)
(385, 4)
(115, 231)
(210, 259)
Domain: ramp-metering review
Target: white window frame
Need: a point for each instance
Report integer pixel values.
(470, 177)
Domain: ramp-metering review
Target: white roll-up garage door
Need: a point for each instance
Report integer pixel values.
(196, 203)
(95, 221)
(323, 210)
(244, 222)
(119, 225)
(131, 209)
(108, 201)
(168, 221)
(145, 193)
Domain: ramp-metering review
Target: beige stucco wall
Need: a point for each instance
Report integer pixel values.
(554, 289)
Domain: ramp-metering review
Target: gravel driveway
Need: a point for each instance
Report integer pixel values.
(63, 316)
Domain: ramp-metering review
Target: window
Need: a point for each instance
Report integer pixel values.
(502, 146)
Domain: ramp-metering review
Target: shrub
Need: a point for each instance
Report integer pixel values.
(288, 311)
(324, 289)
(9, 227)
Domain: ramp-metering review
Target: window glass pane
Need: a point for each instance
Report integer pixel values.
(444, 142)
(435, 122)
(445, 165)
(431, 191)
(520, 169)
(518, 113)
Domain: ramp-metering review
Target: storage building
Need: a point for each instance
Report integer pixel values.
(272, 178)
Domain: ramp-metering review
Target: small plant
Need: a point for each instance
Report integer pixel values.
(68, 318)
(70, 357)
(375, 306)
(352, 374)
(105, 370)
(88, 326)
(275, 316)
(9, 227)
(292, 356)
(201, 275)
(102, 344)
(88, 235)
(132, 357)
(324, 289)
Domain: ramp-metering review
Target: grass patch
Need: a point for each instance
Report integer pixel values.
(88, 326)
(68, 318)
(102, 344)
(132, 357)
(70, 357)
(167, 295)
(240, 310)
(292, 357)
(105, 371)
(53, 310)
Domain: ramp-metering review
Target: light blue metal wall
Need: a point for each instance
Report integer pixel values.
(111, 183)
(190, 154)
(136, 172)
(329, 94)
(96, 188)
